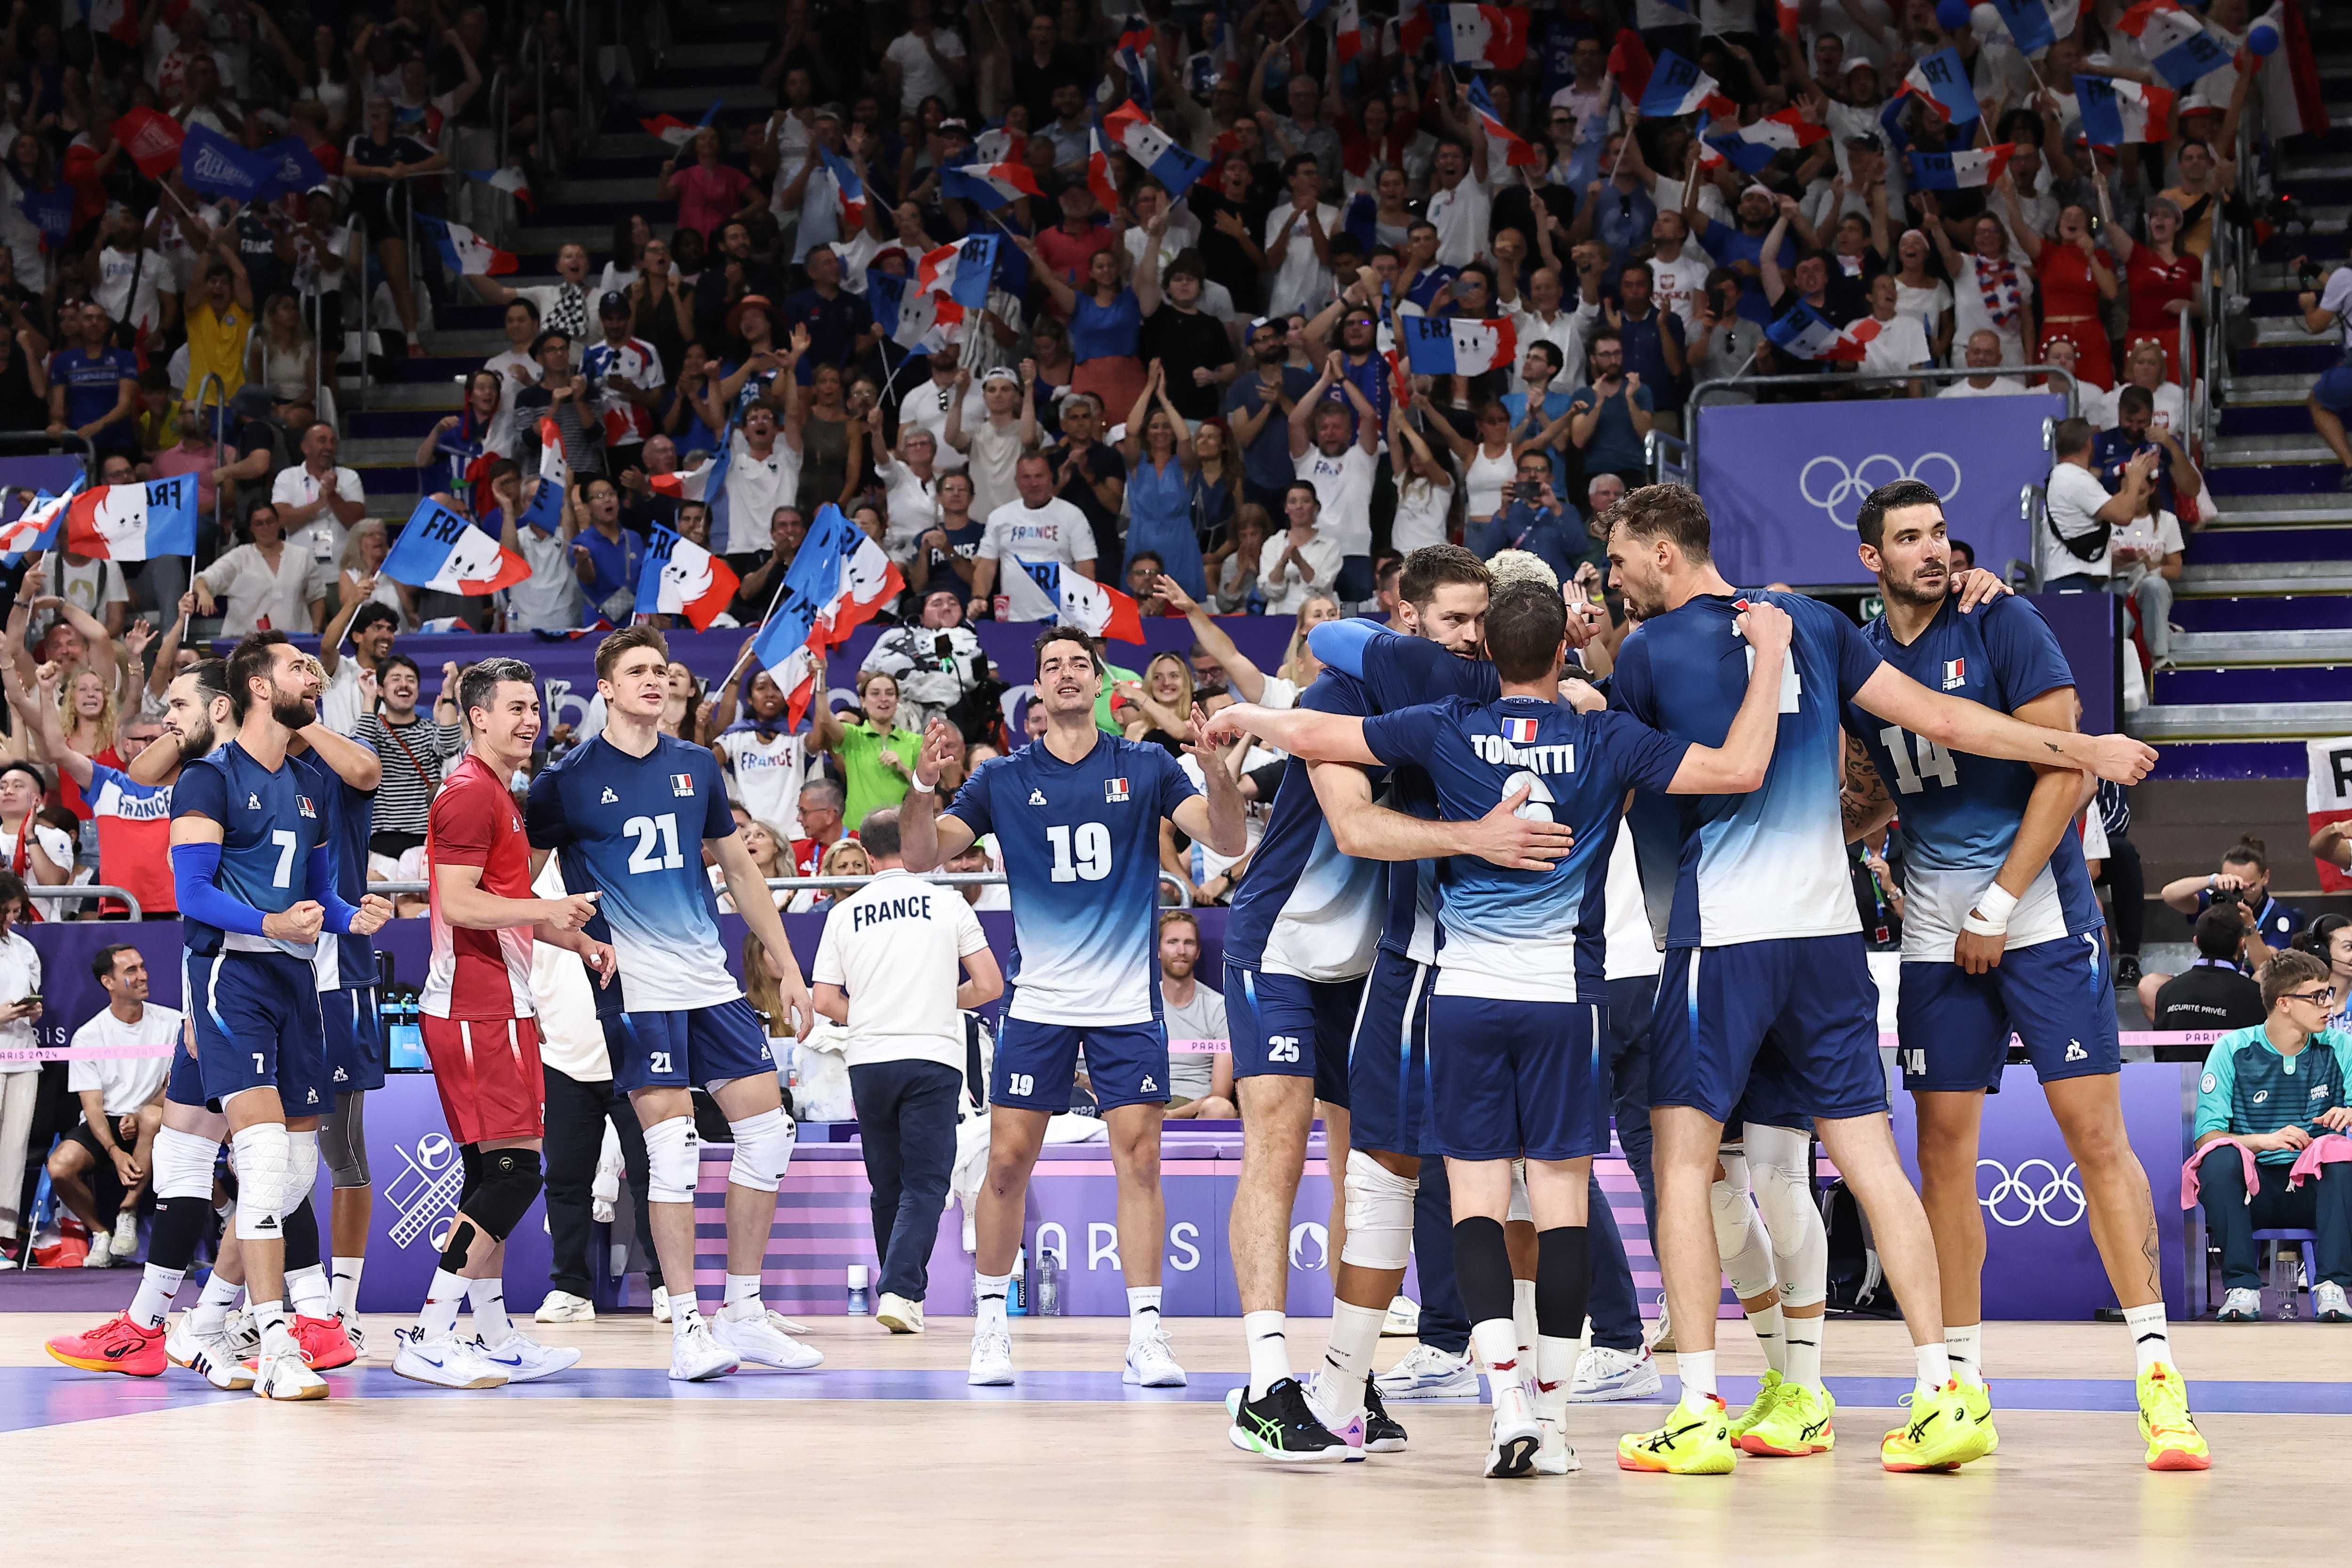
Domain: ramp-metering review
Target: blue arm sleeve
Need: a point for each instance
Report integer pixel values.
(321, 873)
(1341, 643)
(199, 899)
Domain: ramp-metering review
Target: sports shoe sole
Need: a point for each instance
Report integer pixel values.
(898, 1325)
(1134, 1379)
(1336, 1455)
(399, 1371)
(2179, 1460)
(97, 1363)
(1639, 1388)
(1465, 1387)
(1513, 1457)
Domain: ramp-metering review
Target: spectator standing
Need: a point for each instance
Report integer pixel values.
(1989, 291)
(121, 1086)
(886, 968)
(1159, 455)
(763, 476)
(623, 374)
(1259, 405)
(988, 450)
(1200, 1083)
(1306, 560)
(1897, 343)
(2136, 431)
(1535, 520)
(2328, 309)
(549, 598)
(927, 60)
(2214, 993)
(93, 387)
(1332, 451)
(2076, 555)
(1609, 418)
(266, 583)
(20, 1075)
(564, 306)
(415, 753)
(2161, 277)
(878, 757)
(371, 626)
(606, 557)
(1651, 340)
(133, 821)
(764, 761)
(1107, 316)
(706, 190)
(317, 501)
(1089, 474)
(220, 321)
(935, 404)
(1297, 249)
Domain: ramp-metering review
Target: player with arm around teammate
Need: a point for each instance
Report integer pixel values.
(631, 810)
(2001, 932)
(1076, 814)
(481, 1033)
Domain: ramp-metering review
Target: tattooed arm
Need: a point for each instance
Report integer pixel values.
(1867, 805)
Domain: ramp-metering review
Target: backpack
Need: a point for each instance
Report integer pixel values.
(1856, 1285)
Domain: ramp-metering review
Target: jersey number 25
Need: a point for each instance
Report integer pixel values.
(1935, 763)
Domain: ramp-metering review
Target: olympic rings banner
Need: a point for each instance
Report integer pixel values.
(1784, 482)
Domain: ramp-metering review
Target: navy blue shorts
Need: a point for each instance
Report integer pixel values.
(704, 1046)
(2332, 390)
(257, 1026)
(1773, 1095)
(1388, 1060)
(1804, 1007)
(1513, 1078)
(186, 1084)
(1291, 1028)
(355, 1050)
(1037, 1065)
(2056, 997)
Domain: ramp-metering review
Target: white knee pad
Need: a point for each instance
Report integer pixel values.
(306, 1163)
(1520, 1209)
(266, 1191)
(673, 1158)
(1740, 1241)
(1777, 1155)
(764, 1149)
(184, 1165)
(1379, 1216)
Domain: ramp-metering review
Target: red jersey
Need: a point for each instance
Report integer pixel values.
(478, 975)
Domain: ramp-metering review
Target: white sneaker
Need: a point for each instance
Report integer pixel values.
(695, 1357)
(784, 1325)
(899, 1315)
(1404, 1319)
(2240, 1307)
(101, 1252)
(1514, 1435)
(244, 1335)
(125, 1242)
(523, 1359)
(1354, 1431)
(280, 1373)
(353, 1331)
(2328, 1305)
(1428, 1373)
(1554, 1456)
(211, 1356)
(761, 1344)
(1660, 1335)
(563, 1307)
(992, 1359)
(445, 1362)
(661, 1305)
(1151, 1363)
(1602, 1374)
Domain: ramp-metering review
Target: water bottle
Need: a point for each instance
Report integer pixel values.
(859, 1306)
(1049, 1286)
(1016, 1294)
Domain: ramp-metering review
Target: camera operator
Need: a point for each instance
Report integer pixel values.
(2244, 878)
(2214, 993)
(938, 664)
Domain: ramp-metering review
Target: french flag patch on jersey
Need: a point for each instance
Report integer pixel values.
(1519, 731)
(1114, 789)
(303, 801)
(681, 783)
(1955, 674)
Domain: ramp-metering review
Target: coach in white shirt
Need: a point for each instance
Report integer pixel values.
(122, 1104)
(1039, 526)
(886, 968)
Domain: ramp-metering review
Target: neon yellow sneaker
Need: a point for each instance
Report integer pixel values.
(1979, 1400)
(1797, 1425)
(1942, 1434)
(1767, 1394)
(1695, 1441)
(2173, 1441)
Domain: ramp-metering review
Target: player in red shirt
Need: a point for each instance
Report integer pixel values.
(480, 1032)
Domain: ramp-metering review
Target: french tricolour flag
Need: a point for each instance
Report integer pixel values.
(1751, 147)
(1676, 87)
(961, 270)
(1519, 731)
(2116, 112)
(444, 551)
(685, 484)
(676, 131)
(464, 250)
(1094, 608)
(1802, 330)
(132, 523)
(2175, 41)
(1098, 181)
(1001, 145)
(511, 181)
(681, 578)
(911, 318)
(1943, 78)
(1853, 341)
(37, 527)
(1457, 346)
(118, 19)
(836, 583)
(1161, 157)
(992, 185)
(1960, 171)
(1492, 37)
(1347, 31)
(1956, 673)
(852, 189)
(1516, 152)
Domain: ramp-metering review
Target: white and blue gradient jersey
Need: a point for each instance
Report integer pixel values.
(632, 828)
(270, 821)
(1529, 936)
(343, 960)
(1399, 672)
(1080, 847)
(1769, 864)
(1956, 814)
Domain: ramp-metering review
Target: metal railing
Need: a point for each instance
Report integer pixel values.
(1668, 458)
(89, 891)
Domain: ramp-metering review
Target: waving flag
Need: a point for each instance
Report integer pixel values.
(1134, 37)
(1897, 108)
(1943, 76)
(37, 527)
(545, 512)
(118, 19)
(911, 318)
(1413, 26)
(463, 250)
(676, 131)
(132, 523)
(1678, 86)
(681, 578)
(295, 169)
(445, 550)
(961, 270)
(2116, 112)
(1960, 171)
(1516, 152)
(50, 211)
(1094, 608)
(992, 185)
(1347, 31)
(1710, 157)
(2175, 41)
(687, 484)
(513, 182)
(1854, 340)
(1494, 36)
(1791, 21)
(852, 189)
(2028, 22)
(1803, 331)
(1436, 346)
(1161, 156)
(1002, 145)
(1098, 181)
(1630, 63)
(152, 138)
(1751, 147)
(211, 162)
(834, 584)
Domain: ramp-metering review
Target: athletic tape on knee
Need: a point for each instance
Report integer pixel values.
(1740, 1240)
(1777, 1159)
(764, 1148)
(342, 1140)
(673, 1155)
(266, 1189)
(510, 1182)
(184, 1165)
(1379, 1216)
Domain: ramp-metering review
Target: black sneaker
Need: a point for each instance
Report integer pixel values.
(1282, 1426)
(1383, 1434)
(2126, 971)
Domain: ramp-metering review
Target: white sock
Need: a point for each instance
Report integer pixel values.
(438, 1320)
(1269, 1351)
(685, 1312)
(2150, 1343)
(489, 1300)
(1142, 1312)
(211, 1311)
(1964, 1350)
(1804, 1342)
(346, 1271)
(1771, 1335)
(1556, 1362)
(156, 1289)
(993, 1289)
(270, 1318)
(1348, 1358)
(1697, 1370)
(1496, 1341)
(1523, 1324)
(1935, 1366)
(309, 1289)
(743, 1302)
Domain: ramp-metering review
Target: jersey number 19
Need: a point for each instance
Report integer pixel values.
(1935, 763)
(1080, 854)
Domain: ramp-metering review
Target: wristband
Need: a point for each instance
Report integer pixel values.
(920, 787)
(1990, 915)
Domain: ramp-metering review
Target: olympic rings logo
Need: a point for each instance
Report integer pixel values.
(2016, 1193)
(1850, 487)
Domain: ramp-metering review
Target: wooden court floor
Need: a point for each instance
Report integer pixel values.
(882, 1457)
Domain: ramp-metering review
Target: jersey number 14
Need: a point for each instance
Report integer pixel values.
(1935, 763)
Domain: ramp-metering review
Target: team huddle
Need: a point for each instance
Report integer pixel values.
(1441, 937)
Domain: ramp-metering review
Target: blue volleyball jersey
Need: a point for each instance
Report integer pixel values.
(1528, 936)
(1399, 671)
(343, 960)
(1769, 864)
(632, 828)
(1956, 814)
(1080, 847)
(269, 820)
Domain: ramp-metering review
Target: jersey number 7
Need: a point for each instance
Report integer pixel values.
(1935, 763)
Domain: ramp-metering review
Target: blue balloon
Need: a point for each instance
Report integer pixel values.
(2263, 38)
(1951, 15)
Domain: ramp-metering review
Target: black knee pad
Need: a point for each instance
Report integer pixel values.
(509, 1182)
(470, 1159)
(179, 1228)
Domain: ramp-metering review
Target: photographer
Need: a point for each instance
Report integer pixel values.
(938, 663)
(2214, 993)
(2245, 880)
(1535, 520)
(1724, 343)
(2324, 307)
(2077, 549)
